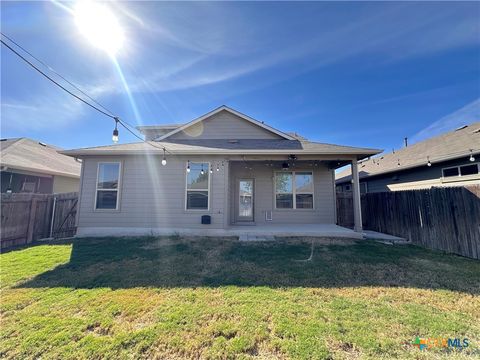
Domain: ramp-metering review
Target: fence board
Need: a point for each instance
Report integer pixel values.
(27, 217)
(446, 219)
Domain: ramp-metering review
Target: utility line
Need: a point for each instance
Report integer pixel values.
(106, 112)
(55, 72)
(55, 82)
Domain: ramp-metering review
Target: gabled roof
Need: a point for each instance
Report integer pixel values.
(232, 111)
(226, 147)
(30, 155)
(449, 146)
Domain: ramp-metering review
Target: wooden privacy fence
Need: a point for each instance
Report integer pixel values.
(345, 209)
(445, 219)
(29, 217)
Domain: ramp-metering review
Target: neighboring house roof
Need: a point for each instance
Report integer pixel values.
(449, 146)
(232, 147)
(30, 155)
(232, 111)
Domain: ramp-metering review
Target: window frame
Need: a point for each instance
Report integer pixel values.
(458, 167)
(294, 191)
(117, 207)
(207, 190)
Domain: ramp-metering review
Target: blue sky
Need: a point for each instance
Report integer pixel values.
(362, 74)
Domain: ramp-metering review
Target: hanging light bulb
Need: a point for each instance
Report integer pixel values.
(202, 172)
(472, 159)
(164, 160)
(211, 169)
(428, 161)
(398, 163)
(218, 168)
(115, 131)
(188, 166)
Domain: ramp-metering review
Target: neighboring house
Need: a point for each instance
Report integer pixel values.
(29, 166)
(451, 159)
(221, 169)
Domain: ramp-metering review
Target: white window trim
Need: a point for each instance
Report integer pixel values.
(459, 172)
(207, 190)
(294, 190)
(117, 189)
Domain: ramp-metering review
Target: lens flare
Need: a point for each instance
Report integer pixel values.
(99, 25)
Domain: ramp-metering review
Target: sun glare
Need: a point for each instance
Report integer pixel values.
(99, 25)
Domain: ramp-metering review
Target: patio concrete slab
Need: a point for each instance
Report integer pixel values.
(254, 232)
(286, 230)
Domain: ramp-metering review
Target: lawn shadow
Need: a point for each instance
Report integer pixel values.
(211, 262)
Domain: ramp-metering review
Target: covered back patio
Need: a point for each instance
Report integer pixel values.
(287, 195)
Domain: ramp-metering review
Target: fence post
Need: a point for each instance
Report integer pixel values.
(52, 222)
(31, 220)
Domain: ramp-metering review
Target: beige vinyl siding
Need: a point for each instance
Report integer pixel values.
(64, 184)
(324, 201)
(224, 125)
(151, 195)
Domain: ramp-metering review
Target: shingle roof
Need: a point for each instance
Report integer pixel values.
(31, 155)
(213, 146)
(448, 146)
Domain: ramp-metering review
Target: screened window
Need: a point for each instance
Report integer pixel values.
(108, 178)
(294, 190)
(198, 186)
(463, 170)
(450, 172)
(469, 169)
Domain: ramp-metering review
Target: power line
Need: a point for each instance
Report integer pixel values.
(55, 82)
(55, 72)
(109, 114)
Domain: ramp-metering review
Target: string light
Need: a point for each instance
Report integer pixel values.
(211, 169)
(188, 166)
(164, 160)
(115, 131)
(202, 172)
(218, 167)
(398, 163)
(428, 161)
(472, 159)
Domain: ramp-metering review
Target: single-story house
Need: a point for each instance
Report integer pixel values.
(30, 166)
(450, 159)
(220, 170)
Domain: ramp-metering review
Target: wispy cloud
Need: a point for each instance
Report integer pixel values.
(464, 116)
(224, 50)
(39, 113)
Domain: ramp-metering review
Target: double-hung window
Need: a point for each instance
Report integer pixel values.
(198, 186)
(108, 180)
(294, 190)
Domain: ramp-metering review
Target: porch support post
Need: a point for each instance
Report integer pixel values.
(357, 206)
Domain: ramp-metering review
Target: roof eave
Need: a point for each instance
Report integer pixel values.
(41, 171)
(79, 152)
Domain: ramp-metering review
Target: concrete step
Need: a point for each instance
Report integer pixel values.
(250, 237)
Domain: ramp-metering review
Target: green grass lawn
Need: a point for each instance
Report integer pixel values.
(172, 298)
